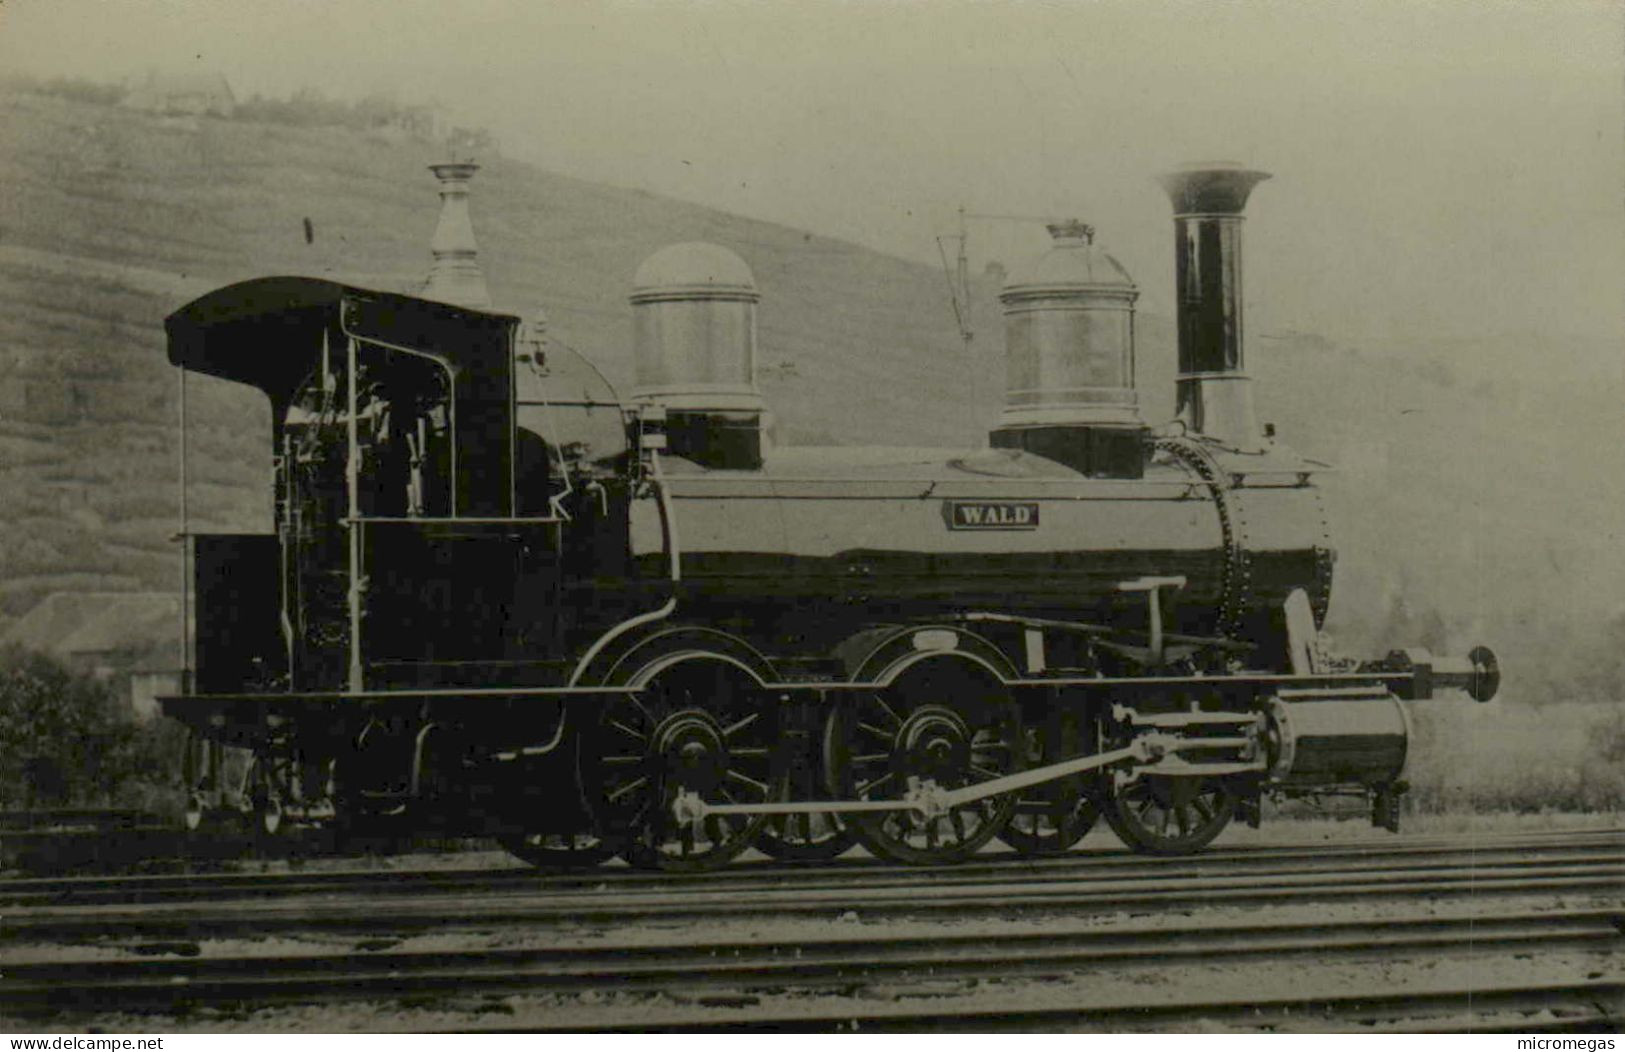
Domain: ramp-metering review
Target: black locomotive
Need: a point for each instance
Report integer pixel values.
(501, 600)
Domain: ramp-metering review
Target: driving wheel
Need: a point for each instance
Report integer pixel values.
(941, 726)
(697, 730)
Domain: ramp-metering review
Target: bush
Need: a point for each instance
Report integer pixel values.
(67, 739)
(1505, 757)
(76, 89)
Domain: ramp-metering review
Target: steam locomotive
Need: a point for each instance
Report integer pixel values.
(501, 600)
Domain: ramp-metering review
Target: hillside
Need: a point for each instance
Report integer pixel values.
(1475, 502)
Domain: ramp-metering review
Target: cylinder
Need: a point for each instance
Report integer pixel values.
(1338, 738)
(694, 351)
(1214, 394)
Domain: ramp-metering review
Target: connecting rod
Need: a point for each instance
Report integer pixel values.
(929, 800)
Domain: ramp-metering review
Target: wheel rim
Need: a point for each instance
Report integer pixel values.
(1170, 816)
(560, 850)
(940, 728)
(808, 837)
(699, 728)
(1050, 818)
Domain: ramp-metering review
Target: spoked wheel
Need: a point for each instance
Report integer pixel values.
(698, 727)
(569, 838)
(1159, 815)
(940, 725)
(560, 850)
(1051, 817)
(805, 837)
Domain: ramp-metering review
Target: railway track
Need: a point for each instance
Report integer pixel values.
(1419, 855)
(1004, 894)
(1049, 923)
(750, 965)
(1566, 1007)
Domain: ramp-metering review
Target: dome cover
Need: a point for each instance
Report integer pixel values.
(693, 270)
(1073, 263)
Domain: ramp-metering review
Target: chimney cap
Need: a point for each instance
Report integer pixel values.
(1211, 187)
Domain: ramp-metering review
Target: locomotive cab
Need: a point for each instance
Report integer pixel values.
(398, 558)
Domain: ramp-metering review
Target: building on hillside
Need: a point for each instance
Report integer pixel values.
(126, 637)
(192, 94)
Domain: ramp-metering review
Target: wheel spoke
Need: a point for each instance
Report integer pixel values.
(739, 776)
(864, 787)
(630, 787)
(628, 731)
(730, 731)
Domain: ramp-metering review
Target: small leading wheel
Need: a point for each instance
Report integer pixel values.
(942, 726)
(698, 729)
(804, 837)
(559, 850)
(1161, 815)
(1050, 818)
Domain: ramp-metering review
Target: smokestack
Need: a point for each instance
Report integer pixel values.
(1214, 391)
(454, 276)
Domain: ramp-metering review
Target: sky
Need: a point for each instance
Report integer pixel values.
(1449, 168)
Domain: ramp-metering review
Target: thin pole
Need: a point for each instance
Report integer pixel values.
(185, 538)
(964, 283)
(353, 484)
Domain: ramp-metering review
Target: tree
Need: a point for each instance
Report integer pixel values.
(66, 737)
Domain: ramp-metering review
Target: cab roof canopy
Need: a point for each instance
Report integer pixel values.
(269, 333)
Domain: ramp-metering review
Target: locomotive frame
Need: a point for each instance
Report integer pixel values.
(634, 632)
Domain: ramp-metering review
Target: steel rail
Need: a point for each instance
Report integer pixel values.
(1601, 846)
(36, 988)
(1598, 1002)
(417, 913)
